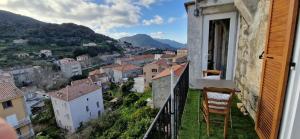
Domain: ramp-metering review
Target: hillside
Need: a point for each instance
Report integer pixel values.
(172, 43)
(14, 26)
(143, 40)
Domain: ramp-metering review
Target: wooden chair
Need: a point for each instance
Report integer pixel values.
(212, 74)
(217, 101)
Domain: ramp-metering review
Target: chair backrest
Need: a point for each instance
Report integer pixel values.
(218, 98)
(212, 74)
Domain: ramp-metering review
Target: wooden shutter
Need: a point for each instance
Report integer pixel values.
(279, 45)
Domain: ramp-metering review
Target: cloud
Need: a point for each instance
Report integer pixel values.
(171, 19)
(118, 35)
(146, 3)
(156, 20)
(158, 34)
(101, 17)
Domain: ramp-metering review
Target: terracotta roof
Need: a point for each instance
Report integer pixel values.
(111, 66)
(96, 77)
(161, 62)
(9, 91)
(127, 67)
(178, 69)
(138, 57)
(74, 91)
(67, 61)
(77, 82)
(167, 56)
(95, 72)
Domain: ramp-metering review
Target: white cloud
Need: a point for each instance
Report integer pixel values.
(146, 3)
(156, 20)
(158, 34)
(118, 35)
(171, 19)
(101, 17)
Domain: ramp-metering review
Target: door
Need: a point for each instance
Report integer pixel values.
(280, 38)
(218, 48)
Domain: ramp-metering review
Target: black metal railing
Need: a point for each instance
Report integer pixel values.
(180, 94)
(161, 126)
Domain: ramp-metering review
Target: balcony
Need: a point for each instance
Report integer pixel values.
(26, 135)
(22, 122)
(179, 119)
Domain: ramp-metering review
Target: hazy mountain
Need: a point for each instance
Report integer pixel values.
(14, 26)
(143, 40)
(172, 43)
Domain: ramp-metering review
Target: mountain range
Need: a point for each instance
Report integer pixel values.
(143, 40)
(14, 26)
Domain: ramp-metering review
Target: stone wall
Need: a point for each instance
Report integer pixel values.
(251, 42)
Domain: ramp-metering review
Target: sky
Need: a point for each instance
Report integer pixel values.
(165, 19)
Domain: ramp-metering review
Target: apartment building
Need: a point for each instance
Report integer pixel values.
(126, 71)
(13, 109)
(182, 52)
(84, 60)
(76, 104)
(70, 67)
(152, 69)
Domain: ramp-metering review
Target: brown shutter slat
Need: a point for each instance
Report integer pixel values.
(278, 49)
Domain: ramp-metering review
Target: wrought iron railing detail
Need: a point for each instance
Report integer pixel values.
(161, 126)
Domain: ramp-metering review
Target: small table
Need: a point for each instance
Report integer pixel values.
(201, 83)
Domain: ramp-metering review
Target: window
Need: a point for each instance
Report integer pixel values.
(87, 108)
(57, 112)
(97, 104)
(18, 130)
(7, 104)
(154, 70)
(87, 99)
(99, 113)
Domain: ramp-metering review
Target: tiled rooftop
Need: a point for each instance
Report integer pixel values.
(77, 89)
(126, 67)
(9, 91)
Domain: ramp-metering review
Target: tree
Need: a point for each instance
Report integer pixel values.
(127, 86)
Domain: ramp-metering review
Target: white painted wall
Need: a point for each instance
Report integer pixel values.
(62, 112)
(78, 107)
(68, 115)
(290, 124)
(139, 85)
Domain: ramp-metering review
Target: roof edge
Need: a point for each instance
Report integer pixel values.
(189, 3)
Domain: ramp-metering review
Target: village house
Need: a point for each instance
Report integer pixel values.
(70, 67)
(168, 57)
(76, 104)
(23, 75)
(20, 41)
(13, 109)
(100, 78)
(109, 58)
(91, 44)
(22, 55)
(34, 99)
(161, 84)
(46, 53)
(152, 69)
(182, 52)
(108, 69)
(139, 84)
(169, 52)
(84, 61)
(139, 60)
(126, 71)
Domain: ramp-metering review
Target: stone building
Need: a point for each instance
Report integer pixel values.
(161, 84)
(84, 60)
(70, 67)
(242, 24)
(126, 71)
(152, 69)
(13, 109)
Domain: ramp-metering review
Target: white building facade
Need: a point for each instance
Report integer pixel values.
(70, 67)
(70, 114)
